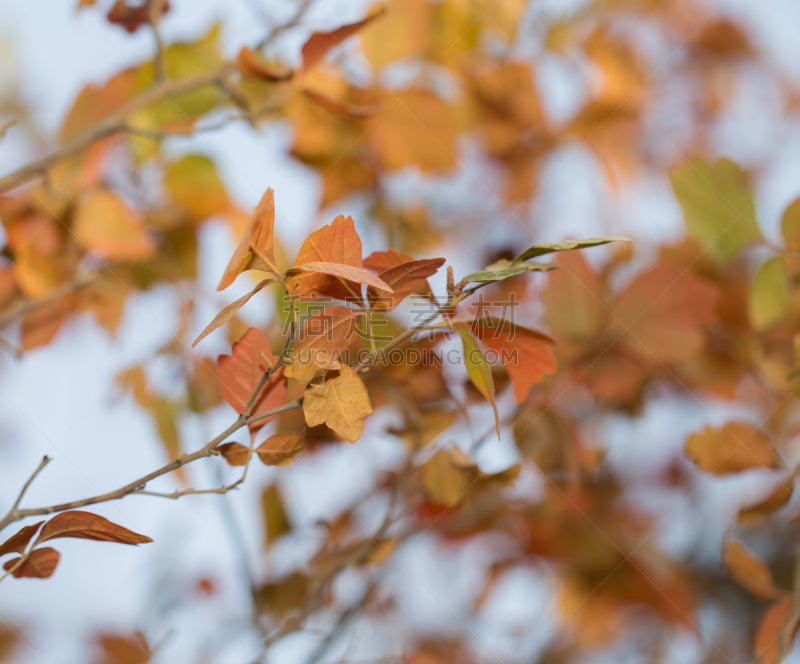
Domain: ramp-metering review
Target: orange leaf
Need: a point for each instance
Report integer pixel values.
(234, 453)
(17, 542)
(40, 564)
(255, 250)
(750, 571)
(321, 42)
(768, 643)
(764, 508)
(85, 525)
(348, 272)
(731, 448)
(241, 372)
(524, 352)
(335, 243)
(341, 402)
(342, 107)
(250, 65)
(228, 312)
(280, 450)
(404, 279)
(104, 224)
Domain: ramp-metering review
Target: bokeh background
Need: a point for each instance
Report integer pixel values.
(187, 592)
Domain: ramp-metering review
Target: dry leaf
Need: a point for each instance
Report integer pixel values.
(341, 402)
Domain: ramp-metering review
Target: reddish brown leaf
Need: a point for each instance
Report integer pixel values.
(525, 353)
(280, 450)
(250, 65)
(329, 330)
(234, 453)
(241, 372)
(255, 250)
(380, 261)
(661, 315)
(17, 542)
(123, 649)
(40, 564)
(228, 312)
(404, 279)
(85, 525)
(320, 43)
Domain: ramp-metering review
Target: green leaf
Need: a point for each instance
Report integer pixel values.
(507, 271)
(717, 205)
(566, 245)
(768, 302)
(479, 372)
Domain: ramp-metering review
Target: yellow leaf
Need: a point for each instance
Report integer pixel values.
(105, 225)
(479, 372)
(768, 301)
(790, 226)
(276, 523)
(730, 448)
(341, 402)
(195, 185)
(304, 365)
(717, 205)
(444, 481)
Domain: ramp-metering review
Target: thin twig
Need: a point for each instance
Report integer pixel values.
(155, 12)
(45, 460)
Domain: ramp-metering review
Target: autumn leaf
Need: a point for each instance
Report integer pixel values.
(790, 226)
(320, 43)
(341, 403)
(104, 224)
(39, 564)
(275, 520)
(750, 571)
(124, 648)
(340, 107)
(380, 261)
(525, 353)
(731, 448)
(250, 64)
(194, 184)
(337, 243)
(764, 508)
(18, 541)
(228, 312)
(769, 297)
(234, 453)
(660, 316)
(444, 482)
(303, 366)
(346, 272)
(255, 250)
(574, 299)
(772, 632)
(241, 371)
(403, 280)
(85, 525)
(478, 370)
(280, 450)
(567, 245)
(329, 331)
(717, 205)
